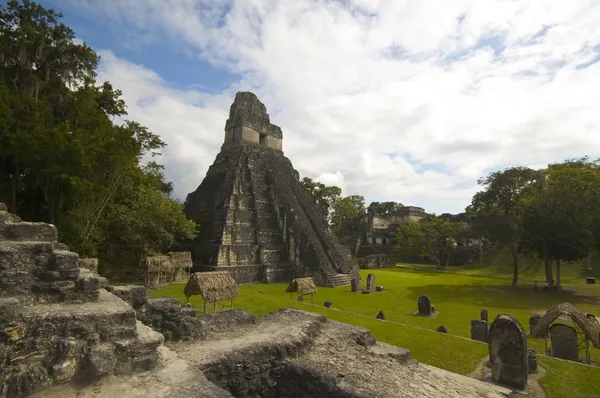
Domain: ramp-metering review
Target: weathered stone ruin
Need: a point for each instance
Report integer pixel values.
(483, 314)
(90, 264)
(533, 322)
(479, 330)
(57, 323)
(256, 219)
(371, 282)
(508, 352)
(162, 270)
(424, 307)
(355, 284)
(291, 353)
(566, 340)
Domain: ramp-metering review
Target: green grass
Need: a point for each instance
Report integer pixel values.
(459, 298)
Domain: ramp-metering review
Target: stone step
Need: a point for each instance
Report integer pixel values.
(28, 232)
(6, 217)
(340, 280)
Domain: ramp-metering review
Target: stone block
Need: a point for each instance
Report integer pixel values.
(102, 360)
(531, 361)
(533, 322)
(483, 315)
(380, 315)
(564, 342)
(442, 329)
(65, 261)
(29, 232)
(371, 282)
(3, 207)
(328, 304)
(88, 284)
(508, 352)
(424, 306)
(379, 288)
(479, 330)
(355, 284)
(135, 295)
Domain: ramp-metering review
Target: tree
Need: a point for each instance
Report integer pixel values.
(558, 220)
(432, 237)
(347, 215)
(383, 209)
(62, 159)
(497, 209)
(324, 196)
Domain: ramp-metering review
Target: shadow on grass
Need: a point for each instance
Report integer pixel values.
(499, 296)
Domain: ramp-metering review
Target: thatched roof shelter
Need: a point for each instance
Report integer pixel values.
(212, 286)
(566, 310)
(302, 286)
(157, 263)
(181, 259)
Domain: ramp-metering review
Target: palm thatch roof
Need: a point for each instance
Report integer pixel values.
(157, 263)
(567, 310)
(212, 286)
(302, 286)
(181, 259)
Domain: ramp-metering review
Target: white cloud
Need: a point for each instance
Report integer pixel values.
(402, 100)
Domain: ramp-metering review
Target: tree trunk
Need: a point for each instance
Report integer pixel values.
(15, 185)
(515, 257)
(558, 274)
(547, 261)
(481, 251)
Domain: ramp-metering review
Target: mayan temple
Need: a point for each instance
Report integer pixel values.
(256, 219)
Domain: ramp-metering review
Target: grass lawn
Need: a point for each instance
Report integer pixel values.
(459, 298)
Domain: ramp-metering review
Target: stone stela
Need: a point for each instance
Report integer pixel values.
(256, 219)
(424, 306)
(508, 352)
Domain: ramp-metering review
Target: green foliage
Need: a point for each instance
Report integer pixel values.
(63, 160)
(432, 237)
(496, 211)
(383, 209)
(561, 214)
(347, 214)
(324, 196)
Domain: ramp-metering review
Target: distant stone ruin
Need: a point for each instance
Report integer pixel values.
(256, 219)
(162, 270)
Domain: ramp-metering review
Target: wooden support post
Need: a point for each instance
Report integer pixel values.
(587, 352)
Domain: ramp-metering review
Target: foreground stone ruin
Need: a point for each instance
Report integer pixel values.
(289, 353)
(256, 219)
(63, 335)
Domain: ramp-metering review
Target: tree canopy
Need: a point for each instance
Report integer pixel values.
(62, 158)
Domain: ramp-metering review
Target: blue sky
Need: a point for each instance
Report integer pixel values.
(404, 101)
(179, 68)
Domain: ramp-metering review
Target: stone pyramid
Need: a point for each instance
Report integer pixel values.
(256, 219)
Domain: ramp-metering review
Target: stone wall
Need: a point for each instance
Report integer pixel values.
(58, 324)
